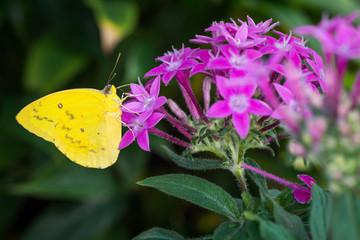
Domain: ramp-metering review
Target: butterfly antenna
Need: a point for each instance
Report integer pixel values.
(112, 74)
(119, 87)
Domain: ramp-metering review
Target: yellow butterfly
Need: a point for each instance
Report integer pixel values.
(84, 124)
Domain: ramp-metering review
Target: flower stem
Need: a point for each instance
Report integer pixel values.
(273, 177)
(169, 137)
(239, 173)
(186, 84)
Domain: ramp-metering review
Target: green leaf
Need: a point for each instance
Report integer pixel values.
(272, 231)
(259, 179)
(157, 233)
(197, 191)
(80, 222)
(230, 231)
(253, 230)
(51, 64)
(195, 163)
(345, 216)
(289, 221)
(319, 213)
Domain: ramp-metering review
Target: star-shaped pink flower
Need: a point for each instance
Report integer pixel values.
(238, 103)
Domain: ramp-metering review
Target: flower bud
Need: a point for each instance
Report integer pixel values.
(177, 110)
(206, 92)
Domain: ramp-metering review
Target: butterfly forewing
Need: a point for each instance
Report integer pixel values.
(82, 123)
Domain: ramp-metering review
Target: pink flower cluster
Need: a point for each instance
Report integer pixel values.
(258, 79)
(245, 65)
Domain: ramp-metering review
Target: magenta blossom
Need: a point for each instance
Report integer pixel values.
(175, 61)
(303, 195)
(139, 125)
(146, 102)
(238, 103)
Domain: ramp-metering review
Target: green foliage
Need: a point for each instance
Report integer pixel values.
(158, 234)
(320, 213)
(194, 163)
(197, 191)
(230, 230)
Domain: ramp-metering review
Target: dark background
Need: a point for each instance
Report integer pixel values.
(48, 46)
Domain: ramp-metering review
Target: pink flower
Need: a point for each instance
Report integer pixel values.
(303, 195)
(238, 103)
(173, 62)
(233, 59)
(139, 125)
(146, 102)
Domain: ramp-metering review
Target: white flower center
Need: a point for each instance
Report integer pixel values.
(148, 103)
(239, 103)
(138, 126)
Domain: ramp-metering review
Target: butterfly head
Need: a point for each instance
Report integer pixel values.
(109, 89)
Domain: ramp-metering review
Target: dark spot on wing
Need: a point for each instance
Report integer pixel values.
(66, 128)
(34, 109)
(103, 149)
(81, 129)
(98, 133)
(70, 115)
(60, 105)
(42, 118)
(92, 150)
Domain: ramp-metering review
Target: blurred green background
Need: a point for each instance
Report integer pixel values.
(48, 46)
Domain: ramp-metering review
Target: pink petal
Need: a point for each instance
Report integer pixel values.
(159, 102)
(156, 71)
(241, 123)
(248, 90)
(128, 117)
(219, 63)
(306, 179)
(220, 109)
(133, 107)
(144, 115)
(126, 139)
(253, 54)
(168, 76)
(138, 91)
(198, 68)
(188, 64)
(279, 112)
(222, 86)
(285, 94)
(229, 50)
(242, 33)
(258, 107)
(143, 140)
(295, 58)
(155, 88)
(154, 119)
(302, 196)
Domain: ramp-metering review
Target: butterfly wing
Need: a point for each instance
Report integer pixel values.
(84, 124)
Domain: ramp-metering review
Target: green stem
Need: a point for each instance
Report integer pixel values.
(239, 173)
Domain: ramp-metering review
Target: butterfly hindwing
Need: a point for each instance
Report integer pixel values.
(83, 124)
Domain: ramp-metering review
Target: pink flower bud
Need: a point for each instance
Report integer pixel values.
(206, 91)
(177, 110)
